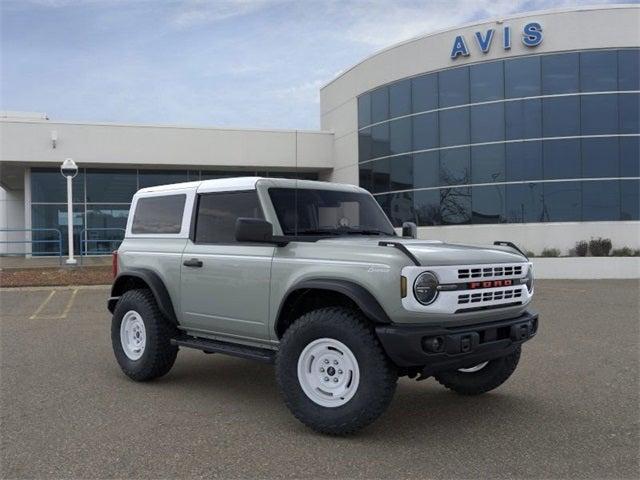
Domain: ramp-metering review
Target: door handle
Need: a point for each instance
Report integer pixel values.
(194, 262)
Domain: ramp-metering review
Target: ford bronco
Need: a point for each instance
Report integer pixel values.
(312, 277)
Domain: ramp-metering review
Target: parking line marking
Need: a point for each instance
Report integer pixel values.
(64, 313)
(42, 305)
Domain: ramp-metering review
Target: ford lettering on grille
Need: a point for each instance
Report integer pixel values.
(490, 284)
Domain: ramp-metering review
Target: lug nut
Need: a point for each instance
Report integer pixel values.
(339, 372)
(326, 379)
(335, 380)
(326, 360)
(321, 369)
(335, 362)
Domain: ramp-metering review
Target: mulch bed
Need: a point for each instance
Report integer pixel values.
(55, 276)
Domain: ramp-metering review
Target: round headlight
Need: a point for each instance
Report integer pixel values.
(425, 288)
(529, 279)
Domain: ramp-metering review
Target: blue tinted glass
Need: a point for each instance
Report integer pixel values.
(454, 127)
(426, 169)
(151, 178)
(487, 164)
(381, 173)
(487, 123)
(522, 77)
(453, 87)
(400, 98)
(561, 159)
(400, 135)
(561, 116)
(53, 217)
(364, 110)
(379, 104)
(562, 202)
(401, 172)
(364, 145)
(425, 131)
(629, 113)
(523, 161)
(380, 141)
(600, 157)
(424, 92)
(600, 200)
(454, 166)
(49, 186)
(105, 228)
(560, 73)
(383, 200)
(630, 156)
(629, 69)
(427, 207)
(455, 205)
(523, 119)
(524, 203)
(488, 204)
(599, 114)
(114, 186)
(599, 71)
(630, 200)
(365, 174)
(487, 81)
(401, 208)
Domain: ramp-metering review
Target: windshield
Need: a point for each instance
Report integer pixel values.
(328, 212)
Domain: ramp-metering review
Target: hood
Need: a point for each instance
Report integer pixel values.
(436, 253)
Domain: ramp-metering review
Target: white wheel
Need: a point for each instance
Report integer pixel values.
(475, 368)
(133, 336)
(328, 372)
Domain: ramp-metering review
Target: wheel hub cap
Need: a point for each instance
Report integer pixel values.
(133, 335)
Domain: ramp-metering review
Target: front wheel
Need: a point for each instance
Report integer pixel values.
(333, 373)
(480, 378)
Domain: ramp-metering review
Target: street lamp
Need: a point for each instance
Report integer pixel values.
(69, 170)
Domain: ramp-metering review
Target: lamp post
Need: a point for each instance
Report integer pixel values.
(69, 170)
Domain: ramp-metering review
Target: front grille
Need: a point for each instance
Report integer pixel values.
(485, 272)
(492, 296)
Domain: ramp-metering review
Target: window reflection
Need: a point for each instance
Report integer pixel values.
(561, 202)
(455, 205)
(453, 87)
(524, 203)
(400, 99)
(487, 164)
(630, 200)
(427, 207)
(560, 73)
(455, 166)
(600, 201)
(379, 105)
(424, 93)
(488, 204)
(599, 114)
(598, 71)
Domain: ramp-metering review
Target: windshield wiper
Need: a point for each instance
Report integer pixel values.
(365, 231)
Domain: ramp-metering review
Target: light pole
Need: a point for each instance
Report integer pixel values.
(69, 170)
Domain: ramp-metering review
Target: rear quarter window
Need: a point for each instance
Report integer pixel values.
(159, 214)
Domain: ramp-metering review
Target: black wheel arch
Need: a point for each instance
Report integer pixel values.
(143, 278)
(358, 295)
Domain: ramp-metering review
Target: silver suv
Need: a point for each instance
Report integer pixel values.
(312, 276)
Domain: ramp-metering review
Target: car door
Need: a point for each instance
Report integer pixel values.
(225, 284)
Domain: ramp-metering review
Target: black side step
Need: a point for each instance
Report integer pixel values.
(263, 355)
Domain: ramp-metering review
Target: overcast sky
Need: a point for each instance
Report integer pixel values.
(243, 63)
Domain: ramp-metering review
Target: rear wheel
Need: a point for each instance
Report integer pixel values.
(481, 378)
(141, 337)
(333, 373)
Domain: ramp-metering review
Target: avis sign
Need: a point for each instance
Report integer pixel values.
(531, 37)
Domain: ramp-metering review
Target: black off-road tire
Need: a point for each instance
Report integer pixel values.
(378, 376)
(159, 355)
(494, 374)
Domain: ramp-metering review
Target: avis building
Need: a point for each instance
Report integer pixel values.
(524, 128)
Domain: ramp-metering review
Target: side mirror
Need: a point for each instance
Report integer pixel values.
(409, 230)
(253, 230)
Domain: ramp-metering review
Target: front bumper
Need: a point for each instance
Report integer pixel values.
(437, 349)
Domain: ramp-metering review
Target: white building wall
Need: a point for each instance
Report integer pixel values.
(11, 218)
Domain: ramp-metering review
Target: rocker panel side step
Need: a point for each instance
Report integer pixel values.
(263, 355)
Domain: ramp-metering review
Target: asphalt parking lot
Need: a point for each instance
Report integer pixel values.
(570, 411)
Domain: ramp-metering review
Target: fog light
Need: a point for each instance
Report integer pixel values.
(433, 344)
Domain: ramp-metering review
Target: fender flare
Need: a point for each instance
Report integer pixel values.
(151, 280)
(365, 301)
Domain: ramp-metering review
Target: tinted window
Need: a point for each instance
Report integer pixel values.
(629, 113)
(159, 214)
(381, 172)
(629, 70)
(630, 157)
(426, 169)
(364, 145)
(111, 186)
(401, 208)
(600, 201)
(425, 131)
(426, 204)
(523, 161)
(113, 218)
(48, 185)
(424, 93)
(598, 71)
(488, 204)
(455, 205)
(599, 114)
(54, 217)
(366, 179)
(218, 212)
(162, 177)
(380, 141)
(400, 98)
(207, 175)
(379, 105)
(487, 82)
(523, 119)
(562, 201)
(487, 164)
(560, 73)
(561, 116)
(454, 166)
(453, 87)
(600, 157)
(522, 77)
(561, 159)
(524, 203)
(400, 135)
(401, 172)
(454, 127)
(487, 123)
(364, 110)
(630, 200)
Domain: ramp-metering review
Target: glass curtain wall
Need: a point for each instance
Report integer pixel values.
(545, 138)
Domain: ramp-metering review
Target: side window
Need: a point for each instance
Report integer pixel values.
(218, 212)
(159, 214)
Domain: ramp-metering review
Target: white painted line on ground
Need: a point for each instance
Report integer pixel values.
(42, 305)
(65, 287)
